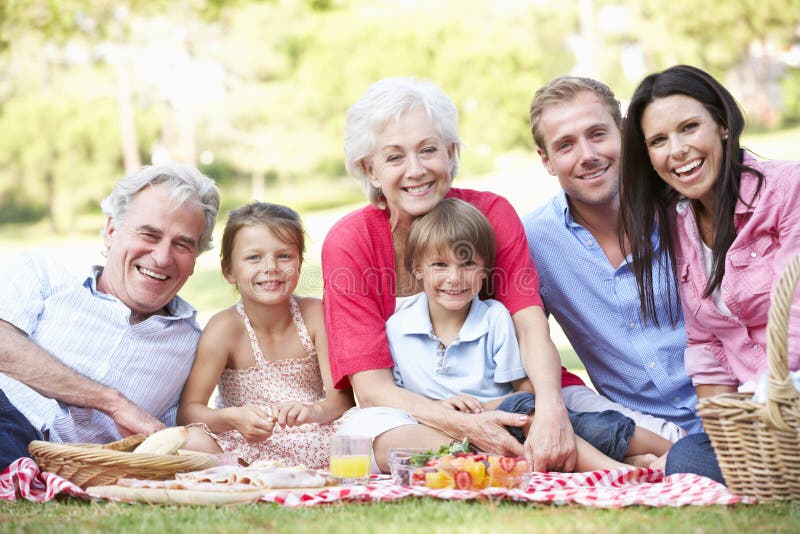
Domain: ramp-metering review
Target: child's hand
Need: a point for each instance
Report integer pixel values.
(463, 403)
(253, 422)
(294, 413)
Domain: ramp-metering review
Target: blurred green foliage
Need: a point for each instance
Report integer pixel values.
(255, 92)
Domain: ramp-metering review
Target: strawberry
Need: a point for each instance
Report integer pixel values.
(418, 477)
(507, 463)
(479, 457)
(462, 480)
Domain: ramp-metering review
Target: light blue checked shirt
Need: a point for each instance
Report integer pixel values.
(630, 361)
(90, 332)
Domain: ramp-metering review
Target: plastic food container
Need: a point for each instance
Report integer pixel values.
(402, 467)
(465, 471)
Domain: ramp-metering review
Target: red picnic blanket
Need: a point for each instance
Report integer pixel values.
(603, 489)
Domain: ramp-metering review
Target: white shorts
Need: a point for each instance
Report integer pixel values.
(373, 422)
(584, 399)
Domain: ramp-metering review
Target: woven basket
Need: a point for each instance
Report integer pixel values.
(97, 465)
(758, 445)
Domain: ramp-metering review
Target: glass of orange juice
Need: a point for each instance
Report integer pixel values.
(350, 457)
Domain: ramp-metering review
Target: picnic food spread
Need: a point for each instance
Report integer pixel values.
(226, 485)
(455, 466)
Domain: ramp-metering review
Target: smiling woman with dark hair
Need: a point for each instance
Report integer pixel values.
(732, 227)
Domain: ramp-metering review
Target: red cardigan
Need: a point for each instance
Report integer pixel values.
(360, 282)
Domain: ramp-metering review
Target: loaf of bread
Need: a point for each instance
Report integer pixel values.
(166, 441)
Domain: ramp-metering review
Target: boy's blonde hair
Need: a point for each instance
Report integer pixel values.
(452, 225)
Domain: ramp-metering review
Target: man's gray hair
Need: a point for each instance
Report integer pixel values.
(187, 184)
(389, 99)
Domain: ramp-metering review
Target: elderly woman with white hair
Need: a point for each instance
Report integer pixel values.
(402, 142)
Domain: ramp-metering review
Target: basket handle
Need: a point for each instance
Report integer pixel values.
(780, 389)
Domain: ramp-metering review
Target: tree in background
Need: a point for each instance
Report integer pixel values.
(740, 41)
(68, 123)
(255, 92)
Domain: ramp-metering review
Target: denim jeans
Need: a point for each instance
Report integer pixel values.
(15, 433)
(694, 454)
(607, 431)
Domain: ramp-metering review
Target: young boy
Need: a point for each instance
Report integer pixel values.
(450, 346)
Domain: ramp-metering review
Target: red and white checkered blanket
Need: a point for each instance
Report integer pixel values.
(602, 489)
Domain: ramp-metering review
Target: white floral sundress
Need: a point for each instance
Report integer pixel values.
(273, 381)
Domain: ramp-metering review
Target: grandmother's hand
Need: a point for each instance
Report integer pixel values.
(550, 444)
(487, 432)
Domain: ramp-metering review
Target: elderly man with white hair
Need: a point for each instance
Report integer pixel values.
(89, 359)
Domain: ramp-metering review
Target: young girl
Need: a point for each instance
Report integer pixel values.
(268, 353)
(450, 346)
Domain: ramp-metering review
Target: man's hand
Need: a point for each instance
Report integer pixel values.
(130, 419)
(487, 432)
(550, 445)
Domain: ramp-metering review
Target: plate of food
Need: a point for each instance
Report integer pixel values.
(220, 485)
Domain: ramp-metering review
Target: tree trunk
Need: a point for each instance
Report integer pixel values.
(127, 122)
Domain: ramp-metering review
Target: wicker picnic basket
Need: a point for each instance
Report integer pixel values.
(758, 444)
(96, 465)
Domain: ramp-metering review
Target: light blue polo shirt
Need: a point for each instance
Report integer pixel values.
(481, 362)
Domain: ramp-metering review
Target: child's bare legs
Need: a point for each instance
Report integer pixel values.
(590, 459)
(647, 449)
(199, 441)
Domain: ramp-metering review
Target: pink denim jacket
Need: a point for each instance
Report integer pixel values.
(732, 350)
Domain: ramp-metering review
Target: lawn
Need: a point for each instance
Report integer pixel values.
(406, 516)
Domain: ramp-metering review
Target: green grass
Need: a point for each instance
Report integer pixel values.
(407, 516)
